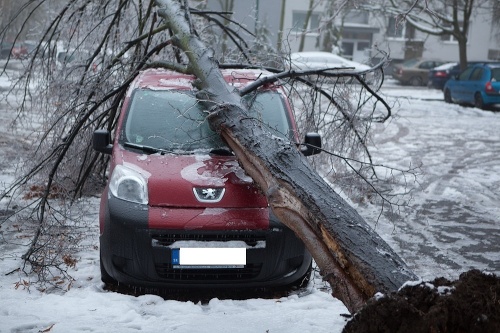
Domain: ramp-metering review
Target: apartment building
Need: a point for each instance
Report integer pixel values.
(362, 32)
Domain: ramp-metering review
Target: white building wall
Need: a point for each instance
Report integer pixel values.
(291, 38)
(481, 38)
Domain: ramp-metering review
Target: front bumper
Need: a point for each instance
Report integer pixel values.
(135, 254)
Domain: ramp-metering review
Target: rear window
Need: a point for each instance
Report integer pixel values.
(495, 74)
(174, 120)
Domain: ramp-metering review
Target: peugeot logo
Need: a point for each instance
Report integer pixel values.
(209, 194)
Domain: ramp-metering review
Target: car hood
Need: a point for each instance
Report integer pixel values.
(195, 180)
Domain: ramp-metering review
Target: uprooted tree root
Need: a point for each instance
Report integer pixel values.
(470, 304)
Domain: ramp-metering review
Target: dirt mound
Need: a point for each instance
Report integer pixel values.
(470, 304)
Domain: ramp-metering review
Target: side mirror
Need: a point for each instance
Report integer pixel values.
(311, 145)
(101, 141)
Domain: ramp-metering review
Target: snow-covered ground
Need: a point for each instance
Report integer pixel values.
(453, 224)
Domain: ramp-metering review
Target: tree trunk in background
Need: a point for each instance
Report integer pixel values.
(351, 256)
(462, 52)
(282, 25)
(228, 7)
(306, 24)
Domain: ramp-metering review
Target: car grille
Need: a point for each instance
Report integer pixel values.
(168, 239)
(166, 271)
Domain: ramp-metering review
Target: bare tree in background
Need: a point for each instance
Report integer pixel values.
(441, 17)
(106, 45)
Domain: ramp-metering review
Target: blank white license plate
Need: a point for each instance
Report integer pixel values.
(209, 258)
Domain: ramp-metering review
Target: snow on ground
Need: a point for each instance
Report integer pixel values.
(86, 307)
(452, 225)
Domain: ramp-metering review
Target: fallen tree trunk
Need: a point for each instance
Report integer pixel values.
(352, 258)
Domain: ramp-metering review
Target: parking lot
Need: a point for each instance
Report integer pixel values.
(452, 223)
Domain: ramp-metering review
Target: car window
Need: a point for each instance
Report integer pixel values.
(476, 75)
(495, 74)
(174, 120)
(427, 65)
(409, 63)
(465, 74)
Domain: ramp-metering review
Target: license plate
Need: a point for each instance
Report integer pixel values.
(209, 258)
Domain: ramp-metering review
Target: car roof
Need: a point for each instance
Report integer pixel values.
(324, 58)
(487, 64)
(419, 60)
(158, 78)
(445, 66)
(315, 54)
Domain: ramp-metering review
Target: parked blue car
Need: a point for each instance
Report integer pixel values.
(478, 85)
(438, 76)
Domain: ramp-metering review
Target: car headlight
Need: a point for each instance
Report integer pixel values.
(129, 185)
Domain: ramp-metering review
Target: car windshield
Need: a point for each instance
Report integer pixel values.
(175, 121)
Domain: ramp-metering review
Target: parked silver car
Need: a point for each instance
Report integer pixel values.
(322, 60)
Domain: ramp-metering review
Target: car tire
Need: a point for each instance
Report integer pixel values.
(478, 101)
(303, 281)
(447, 96)
(415, 81)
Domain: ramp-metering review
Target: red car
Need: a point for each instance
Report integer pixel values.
(19, 51)
(178, 211)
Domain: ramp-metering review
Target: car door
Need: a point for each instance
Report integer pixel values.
(473, 84)
(457, 86)
(423, 70)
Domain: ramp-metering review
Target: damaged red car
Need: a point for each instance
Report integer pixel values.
(178, 210)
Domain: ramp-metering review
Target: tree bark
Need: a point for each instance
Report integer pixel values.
(306, 24)
(282, 24)
(351, 256)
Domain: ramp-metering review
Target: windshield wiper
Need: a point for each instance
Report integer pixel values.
(146, 149)
(221, 151)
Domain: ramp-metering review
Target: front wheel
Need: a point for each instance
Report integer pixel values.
(303, 281)
(478, 101)
(447, 96)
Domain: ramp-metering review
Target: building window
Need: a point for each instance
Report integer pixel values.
(298, 19)
(363, 46)
(493, 54)
(450, 37)
(399, 29)
(356, 16)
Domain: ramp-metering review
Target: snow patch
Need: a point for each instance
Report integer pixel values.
(190, 173)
